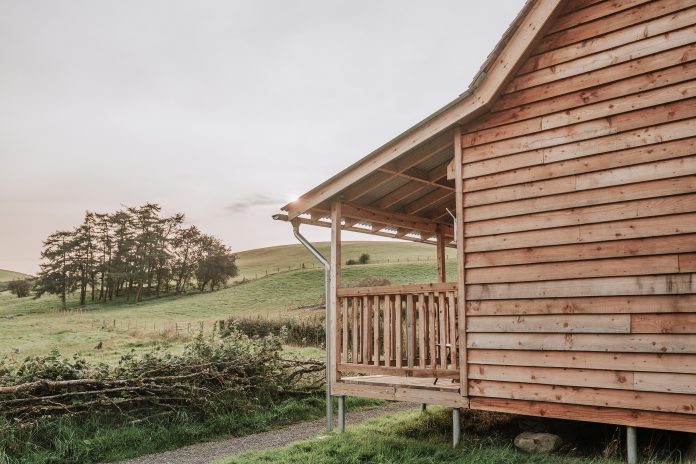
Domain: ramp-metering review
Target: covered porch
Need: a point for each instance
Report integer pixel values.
(397, 342)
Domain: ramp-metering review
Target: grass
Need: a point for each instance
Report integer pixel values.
(36, 326)
(418, 438)
(255, 263)
(100, 438)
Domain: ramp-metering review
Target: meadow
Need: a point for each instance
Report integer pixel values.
(29, 326)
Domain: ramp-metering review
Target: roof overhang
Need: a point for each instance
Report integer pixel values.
(413, 165)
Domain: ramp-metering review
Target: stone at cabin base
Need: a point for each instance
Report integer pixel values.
(531, 442)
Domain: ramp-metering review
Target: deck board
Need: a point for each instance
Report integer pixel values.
(419, 383)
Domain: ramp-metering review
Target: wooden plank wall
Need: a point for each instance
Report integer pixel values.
(580, 210)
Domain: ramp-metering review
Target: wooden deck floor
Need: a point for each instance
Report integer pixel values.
(420, 383)
(444, 392)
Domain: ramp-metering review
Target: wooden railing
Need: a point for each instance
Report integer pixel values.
(398, 330)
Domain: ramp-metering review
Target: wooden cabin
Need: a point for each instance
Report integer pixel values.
(569, 171)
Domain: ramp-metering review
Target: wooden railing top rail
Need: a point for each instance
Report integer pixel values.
(397, 289)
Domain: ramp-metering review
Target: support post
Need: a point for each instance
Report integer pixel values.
(424, 407)
(341, 414)
(441, 271)
(631, 445)
(334, 327)
(456, 427)
(461, 265)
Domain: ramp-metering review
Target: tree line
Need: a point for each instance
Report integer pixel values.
(131, 253)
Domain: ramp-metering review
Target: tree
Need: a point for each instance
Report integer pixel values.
(134, 252)
(19, 287)
(364, 258)
(57, 273)
(216, 264)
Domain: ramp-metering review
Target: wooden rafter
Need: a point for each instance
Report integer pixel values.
(408, 235)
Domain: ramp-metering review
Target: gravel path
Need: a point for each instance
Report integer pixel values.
(204, 453)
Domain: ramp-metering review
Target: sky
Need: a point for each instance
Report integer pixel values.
(224, 110)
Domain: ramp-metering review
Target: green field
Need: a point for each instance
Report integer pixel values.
(255, 263)
(36, 326)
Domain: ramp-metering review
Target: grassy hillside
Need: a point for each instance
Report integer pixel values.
(6, 276)
(36, 326)
(255, 263)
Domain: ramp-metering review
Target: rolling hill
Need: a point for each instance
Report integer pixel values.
(258, 262)
(6, 276)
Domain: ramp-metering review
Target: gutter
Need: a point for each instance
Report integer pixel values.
(327, 291)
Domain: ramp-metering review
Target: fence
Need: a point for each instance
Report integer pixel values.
(315, 265)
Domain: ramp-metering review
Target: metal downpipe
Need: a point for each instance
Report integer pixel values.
(327, 291)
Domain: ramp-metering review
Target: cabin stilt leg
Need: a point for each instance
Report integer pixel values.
(341, 414)
(424, 407)
(456, 428)
(631, 445)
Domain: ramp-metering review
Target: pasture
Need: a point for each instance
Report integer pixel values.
(31, 326)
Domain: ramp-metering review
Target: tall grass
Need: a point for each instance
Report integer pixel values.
(104, 438)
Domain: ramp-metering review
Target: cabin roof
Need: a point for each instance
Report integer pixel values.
(401, 189)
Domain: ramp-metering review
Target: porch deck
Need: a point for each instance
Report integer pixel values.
(398, 388)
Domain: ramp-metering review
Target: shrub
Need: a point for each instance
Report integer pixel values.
(364, 258)
(19, 287)
(351, 262)
(293, 331)
(373, 282)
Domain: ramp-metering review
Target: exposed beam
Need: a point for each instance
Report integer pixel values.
(529, 27)
(426, 201)
(327, 224)
(394, 219)
(418, 175)
(398, 195)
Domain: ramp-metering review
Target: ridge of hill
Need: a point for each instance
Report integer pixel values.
(6, 276)
(270, 260)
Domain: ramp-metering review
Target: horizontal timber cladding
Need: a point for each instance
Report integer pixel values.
(580, 222)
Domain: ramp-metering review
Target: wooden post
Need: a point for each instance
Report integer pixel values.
(335, 284)
(441, 271)
(461, 268)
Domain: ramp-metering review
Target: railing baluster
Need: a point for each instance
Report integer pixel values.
(375, 332)
(354, 328)
(365, 334)
(369, 348)
(344, 330)
(452, 312)
(432, 330)
(443, 329)
(410, 331)
(397, 350)
(422, 330)
(387, 330)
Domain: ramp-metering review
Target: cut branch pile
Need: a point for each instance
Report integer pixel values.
(211, 374)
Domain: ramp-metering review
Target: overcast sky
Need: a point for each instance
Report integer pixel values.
(223, 110)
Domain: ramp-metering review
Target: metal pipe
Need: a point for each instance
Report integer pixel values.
(631, 445)
(456, 428)
(341, 414)
(327, 291)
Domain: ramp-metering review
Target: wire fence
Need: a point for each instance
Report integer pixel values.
(314, 265)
